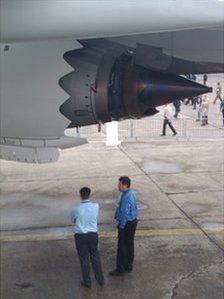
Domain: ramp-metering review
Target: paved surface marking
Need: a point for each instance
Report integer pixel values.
(111, 234)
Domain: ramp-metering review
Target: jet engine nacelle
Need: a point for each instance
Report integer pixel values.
(107, 85)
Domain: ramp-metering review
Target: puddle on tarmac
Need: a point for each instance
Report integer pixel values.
(161, 167)
(25, 285)
(109, 201)
(212, 225)
(142, 206)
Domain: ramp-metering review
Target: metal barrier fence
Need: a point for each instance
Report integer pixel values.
(148, 128)
(152, 128)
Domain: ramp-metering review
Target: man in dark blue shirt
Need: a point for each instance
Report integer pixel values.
(126, 217)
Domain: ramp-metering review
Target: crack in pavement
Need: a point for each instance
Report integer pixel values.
(213, 241)
(176, 286)
(191, 191)
(191, 274)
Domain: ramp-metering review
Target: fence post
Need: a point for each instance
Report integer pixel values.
(132, 128)
(77, 132)
(184, 128)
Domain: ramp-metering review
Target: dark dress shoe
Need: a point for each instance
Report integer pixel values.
(116, 273)
(128, 270)
(86, 285)
(101, 283)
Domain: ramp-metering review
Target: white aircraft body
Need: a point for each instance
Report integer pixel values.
(75, 63)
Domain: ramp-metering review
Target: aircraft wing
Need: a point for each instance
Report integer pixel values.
(23, 20)
(72, 63)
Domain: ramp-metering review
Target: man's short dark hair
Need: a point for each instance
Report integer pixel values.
(124, 180)
(85, 192)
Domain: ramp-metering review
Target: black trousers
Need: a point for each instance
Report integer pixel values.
(125, 246)
(87, 247)
(165, 123)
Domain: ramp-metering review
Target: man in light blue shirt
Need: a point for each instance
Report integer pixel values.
(84, 216)
(127, 218)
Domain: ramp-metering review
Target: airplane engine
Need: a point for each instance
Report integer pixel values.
(107, 84)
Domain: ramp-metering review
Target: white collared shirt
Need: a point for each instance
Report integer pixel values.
(84, 216)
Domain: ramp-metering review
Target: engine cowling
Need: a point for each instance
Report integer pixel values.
(107, 85)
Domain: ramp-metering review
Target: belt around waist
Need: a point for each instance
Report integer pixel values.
(86, 233)
(130, 221)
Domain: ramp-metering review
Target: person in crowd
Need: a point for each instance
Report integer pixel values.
(126, 216)
(204, 110)
(222, 110)
(218, 93)
(193, 77)
(84, 216)
(167, 115)
(195, 100)
(190, 100)
(205, 78)
(198, 108)
(177, 105)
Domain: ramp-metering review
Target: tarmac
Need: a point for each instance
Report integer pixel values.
(179, 243)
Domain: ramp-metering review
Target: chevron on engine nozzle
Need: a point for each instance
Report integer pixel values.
(107, 85)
